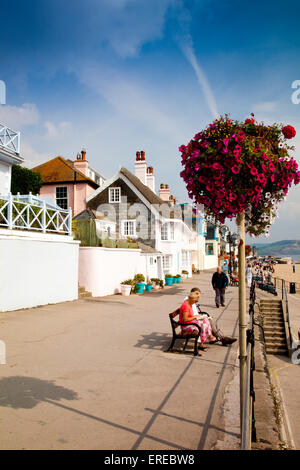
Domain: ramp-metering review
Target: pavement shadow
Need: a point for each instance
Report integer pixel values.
(27, 392)
(155, 340)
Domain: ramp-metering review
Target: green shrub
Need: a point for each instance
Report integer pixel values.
(139, 278)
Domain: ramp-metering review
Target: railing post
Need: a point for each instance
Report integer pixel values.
(44, 217)
(10, 211)
(70, 221)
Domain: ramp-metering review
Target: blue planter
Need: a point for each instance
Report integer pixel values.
(140, 287)
(148, 287)
(169, 281)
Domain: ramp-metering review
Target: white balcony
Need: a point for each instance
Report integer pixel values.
(9, 139)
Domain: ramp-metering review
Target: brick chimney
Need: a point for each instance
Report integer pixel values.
(81, 163)
(150, 178)
(140, 167)
(164, 192)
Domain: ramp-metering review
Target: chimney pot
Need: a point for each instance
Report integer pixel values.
(83, 153)
(138, 156)
(143, 155)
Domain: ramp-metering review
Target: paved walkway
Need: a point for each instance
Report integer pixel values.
(94, 374)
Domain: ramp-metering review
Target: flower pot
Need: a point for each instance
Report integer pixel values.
(140, 287)
(168, 281)
(125, 289)
(148, 287)
(178, 280)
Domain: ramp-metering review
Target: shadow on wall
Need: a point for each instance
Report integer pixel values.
(28, 392)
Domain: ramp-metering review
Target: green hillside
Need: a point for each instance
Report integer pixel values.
(282, 248)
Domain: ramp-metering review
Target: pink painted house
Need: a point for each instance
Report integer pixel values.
(69, 182)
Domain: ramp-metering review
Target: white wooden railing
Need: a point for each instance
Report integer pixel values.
(34, 214)
(9, 139)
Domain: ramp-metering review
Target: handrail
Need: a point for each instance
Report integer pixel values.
(248, 431)
(285, 299)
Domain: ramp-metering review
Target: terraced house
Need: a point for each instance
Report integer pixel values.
(155, 221)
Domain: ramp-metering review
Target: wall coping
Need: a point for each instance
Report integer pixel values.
(6, 234)
(117, 250)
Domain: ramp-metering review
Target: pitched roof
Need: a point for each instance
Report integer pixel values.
(60, 170)
(143, 189)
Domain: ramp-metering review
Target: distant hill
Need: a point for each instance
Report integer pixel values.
(282, 248)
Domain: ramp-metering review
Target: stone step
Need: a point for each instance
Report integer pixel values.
(267, 309)
(269, 330)
(275, 341)
(276, 333)
(273, 315)
(279, 351)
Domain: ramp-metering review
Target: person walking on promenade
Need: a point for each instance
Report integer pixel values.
(219, 282)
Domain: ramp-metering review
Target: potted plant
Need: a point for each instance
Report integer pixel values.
(126, 287)
(155, 283)
(139, 280)
(185, 273)
(148, 286)
(169, 279)
(178, 278)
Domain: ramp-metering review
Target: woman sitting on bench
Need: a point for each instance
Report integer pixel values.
(186, 315)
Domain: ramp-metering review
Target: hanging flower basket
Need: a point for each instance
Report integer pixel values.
(233, 167)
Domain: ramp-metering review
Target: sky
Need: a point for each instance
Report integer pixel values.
(118, 76)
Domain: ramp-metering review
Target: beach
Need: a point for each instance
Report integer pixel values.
(285, 271)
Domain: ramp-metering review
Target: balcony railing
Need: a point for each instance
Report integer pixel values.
(34, 214)
(9, 139)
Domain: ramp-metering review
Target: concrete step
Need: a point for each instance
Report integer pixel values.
(275, 341)
(278, 351)
(268, 309)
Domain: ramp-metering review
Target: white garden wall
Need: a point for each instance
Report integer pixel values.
(37, 269)
(101, 270)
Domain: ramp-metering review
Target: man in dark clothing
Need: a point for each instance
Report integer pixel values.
(219, 282)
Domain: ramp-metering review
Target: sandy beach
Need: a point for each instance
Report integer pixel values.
(285, 271)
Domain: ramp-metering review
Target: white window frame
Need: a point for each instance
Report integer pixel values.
(112, 197)
(61, 198)
(129, 222)
(185, 259)
(167, 261)
(167, 232)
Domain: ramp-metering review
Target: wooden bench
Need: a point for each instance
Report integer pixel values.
(182, 335)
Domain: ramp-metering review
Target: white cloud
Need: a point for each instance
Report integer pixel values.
(31, 156)
(18, 117)
(57, 131)
(265, 107)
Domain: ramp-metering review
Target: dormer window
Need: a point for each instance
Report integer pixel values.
(114, 195)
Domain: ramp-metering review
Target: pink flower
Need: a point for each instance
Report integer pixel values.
(271, 166)
(261, 178)
(182, 148)
(235, 169)
(253, 171)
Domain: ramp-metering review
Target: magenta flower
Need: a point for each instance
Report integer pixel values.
(271, 166)
(253, 171)
(235, 169)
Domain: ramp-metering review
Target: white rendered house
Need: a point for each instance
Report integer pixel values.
(9, 155)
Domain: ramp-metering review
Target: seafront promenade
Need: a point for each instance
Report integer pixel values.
(94, 374)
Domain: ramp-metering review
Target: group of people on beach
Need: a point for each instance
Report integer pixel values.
(190, 314)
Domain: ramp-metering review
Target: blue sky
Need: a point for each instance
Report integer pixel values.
(117, 76)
